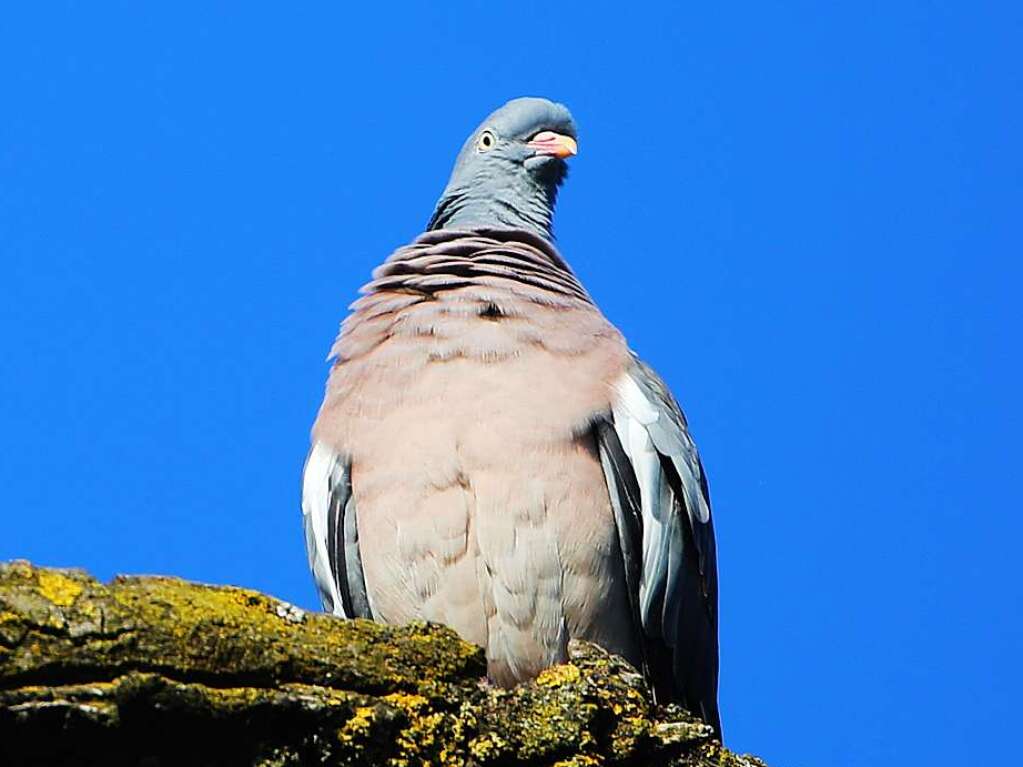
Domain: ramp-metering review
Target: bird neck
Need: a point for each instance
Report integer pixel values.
(526, 205)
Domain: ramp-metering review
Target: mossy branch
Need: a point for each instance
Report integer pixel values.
(159, 671)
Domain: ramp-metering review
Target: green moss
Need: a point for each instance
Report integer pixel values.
(188, 673)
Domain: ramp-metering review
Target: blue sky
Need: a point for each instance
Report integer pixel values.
(805, 215)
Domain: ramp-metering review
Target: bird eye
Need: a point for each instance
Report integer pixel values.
(486, 141)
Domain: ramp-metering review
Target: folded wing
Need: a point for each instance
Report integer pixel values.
(331, 533)
(659, 493)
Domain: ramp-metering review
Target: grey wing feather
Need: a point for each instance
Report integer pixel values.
(356, 579)
(658, 472)
(331, 533)
(625, 503)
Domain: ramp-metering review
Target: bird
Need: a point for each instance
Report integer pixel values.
(491, 455)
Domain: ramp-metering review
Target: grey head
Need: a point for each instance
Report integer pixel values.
(509, 170)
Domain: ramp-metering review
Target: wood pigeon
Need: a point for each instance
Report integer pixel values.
(490, 454)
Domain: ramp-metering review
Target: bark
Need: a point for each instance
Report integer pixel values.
(159, 671)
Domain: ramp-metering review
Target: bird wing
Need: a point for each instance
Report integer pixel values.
(659, 493)
(331, 533)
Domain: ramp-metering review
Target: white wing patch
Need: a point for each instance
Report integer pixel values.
(646, 433)
(632, 412)
(668, 438)
(316, 503)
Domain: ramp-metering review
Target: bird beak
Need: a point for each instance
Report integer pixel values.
(555, 144)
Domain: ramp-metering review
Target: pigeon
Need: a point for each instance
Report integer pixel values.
(492, 456)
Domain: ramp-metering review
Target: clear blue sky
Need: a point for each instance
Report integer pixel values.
(806, 215)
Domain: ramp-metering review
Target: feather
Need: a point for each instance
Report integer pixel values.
(331, 532)
(678, 588)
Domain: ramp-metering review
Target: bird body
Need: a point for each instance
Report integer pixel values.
(490, 455)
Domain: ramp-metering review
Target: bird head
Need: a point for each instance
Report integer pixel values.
(509, 170)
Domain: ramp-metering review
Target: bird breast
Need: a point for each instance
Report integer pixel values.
(463, 396)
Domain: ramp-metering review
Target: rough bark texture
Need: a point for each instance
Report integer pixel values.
(159, 671)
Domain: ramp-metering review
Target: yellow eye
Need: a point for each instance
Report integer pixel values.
(486, 141)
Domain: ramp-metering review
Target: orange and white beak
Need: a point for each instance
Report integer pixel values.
(554, 144)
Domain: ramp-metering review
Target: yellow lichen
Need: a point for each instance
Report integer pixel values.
(556, 676)
(358, 727)
(428, 733)
(58, 588)
(487, 746)
(408, 702)
(580, 760)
